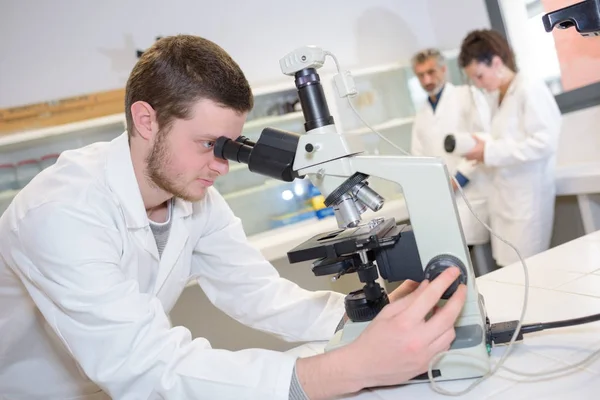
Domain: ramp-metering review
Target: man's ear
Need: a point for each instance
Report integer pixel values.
(144, 119)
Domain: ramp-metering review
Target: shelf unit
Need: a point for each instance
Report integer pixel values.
(388, 98)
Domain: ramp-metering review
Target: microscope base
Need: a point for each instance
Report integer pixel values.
(469, 342)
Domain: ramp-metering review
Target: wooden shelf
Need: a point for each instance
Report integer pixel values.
(24, 137)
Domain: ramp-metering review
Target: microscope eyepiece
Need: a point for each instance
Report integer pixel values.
(272, 155)
(237, 151)
(312, 99)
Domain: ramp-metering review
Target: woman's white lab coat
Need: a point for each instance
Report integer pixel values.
(464, 110)
(521, 156)
(84, 296)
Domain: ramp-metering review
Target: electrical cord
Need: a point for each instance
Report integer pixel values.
(337, 66)
(503, 331)
(529, 328)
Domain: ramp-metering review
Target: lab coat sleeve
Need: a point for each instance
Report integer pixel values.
(540, 126)
(477, 117)
(478, 111)
(238, 280)
(467, 168)
(68, 259)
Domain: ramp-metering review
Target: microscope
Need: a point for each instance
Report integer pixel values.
(432, 242)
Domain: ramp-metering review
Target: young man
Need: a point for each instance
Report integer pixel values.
(450, 110)
(96, 250)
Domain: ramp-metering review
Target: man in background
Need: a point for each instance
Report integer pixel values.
(451, 109)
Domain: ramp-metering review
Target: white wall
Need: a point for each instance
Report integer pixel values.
(53, 49)
(452, 20)
(580, 137)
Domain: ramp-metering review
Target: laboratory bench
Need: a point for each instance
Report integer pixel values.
(564, 284)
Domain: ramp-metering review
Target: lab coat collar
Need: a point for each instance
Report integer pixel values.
(434, 103)
(513, 85)
(121, 179)
(443, 94)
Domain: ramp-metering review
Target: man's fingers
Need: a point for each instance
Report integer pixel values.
(403, 290)
(442, 342)
(446, 316)
(432, 294)
(398, 306)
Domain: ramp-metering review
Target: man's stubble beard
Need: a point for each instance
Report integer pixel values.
(157, 163)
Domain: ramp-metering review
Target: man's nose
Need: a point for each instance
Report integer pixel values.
(219, 165)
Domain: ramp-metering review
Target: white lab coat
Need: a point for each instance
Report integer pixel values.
(461, 109)
(521, 156)
(84, 297)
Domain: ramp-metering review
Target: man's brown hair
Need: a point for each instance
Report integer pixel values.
(177, 71)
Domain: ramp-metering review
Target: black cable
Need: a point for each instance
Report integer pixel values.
(502, 332)
(559, 324)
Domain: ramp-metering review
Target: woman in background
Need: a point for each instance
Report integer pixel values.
(520, 152)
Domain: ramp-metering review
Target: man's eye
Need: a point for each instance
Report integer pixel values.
(207, 144)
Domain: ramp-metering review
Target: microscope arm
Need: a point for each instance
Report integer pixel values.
(431, 206)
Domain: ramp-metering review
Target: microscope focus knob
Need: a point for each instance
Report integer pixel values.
(439, 264)
(359, 309)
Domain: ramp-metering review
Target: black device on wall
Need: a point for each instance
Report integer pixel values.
(583, 16)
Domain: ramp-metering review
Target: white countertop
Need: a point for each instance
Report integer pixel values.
(578, 179)
(564, 284)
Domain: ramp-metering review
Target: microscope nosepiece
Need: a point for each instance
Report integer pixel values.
(347, 213)
(368, 196)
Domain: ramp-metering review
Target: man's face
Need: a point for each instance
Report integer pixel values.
(431, 75)
(181, 161)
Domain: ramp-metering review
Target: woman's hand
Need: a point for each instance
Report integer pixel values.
(477, 153)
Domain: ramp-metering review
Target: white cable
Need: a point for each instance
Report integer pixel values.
(500, 363)
(337, 66)
(406, 153)
(557, 371)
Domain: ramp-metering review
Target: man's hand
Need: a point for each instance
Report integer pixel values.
(395, 347)
(406, 288)
(398, 344)
(477, 153)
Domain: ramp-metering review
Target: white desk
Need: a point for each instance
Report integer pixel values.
(564, 283)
